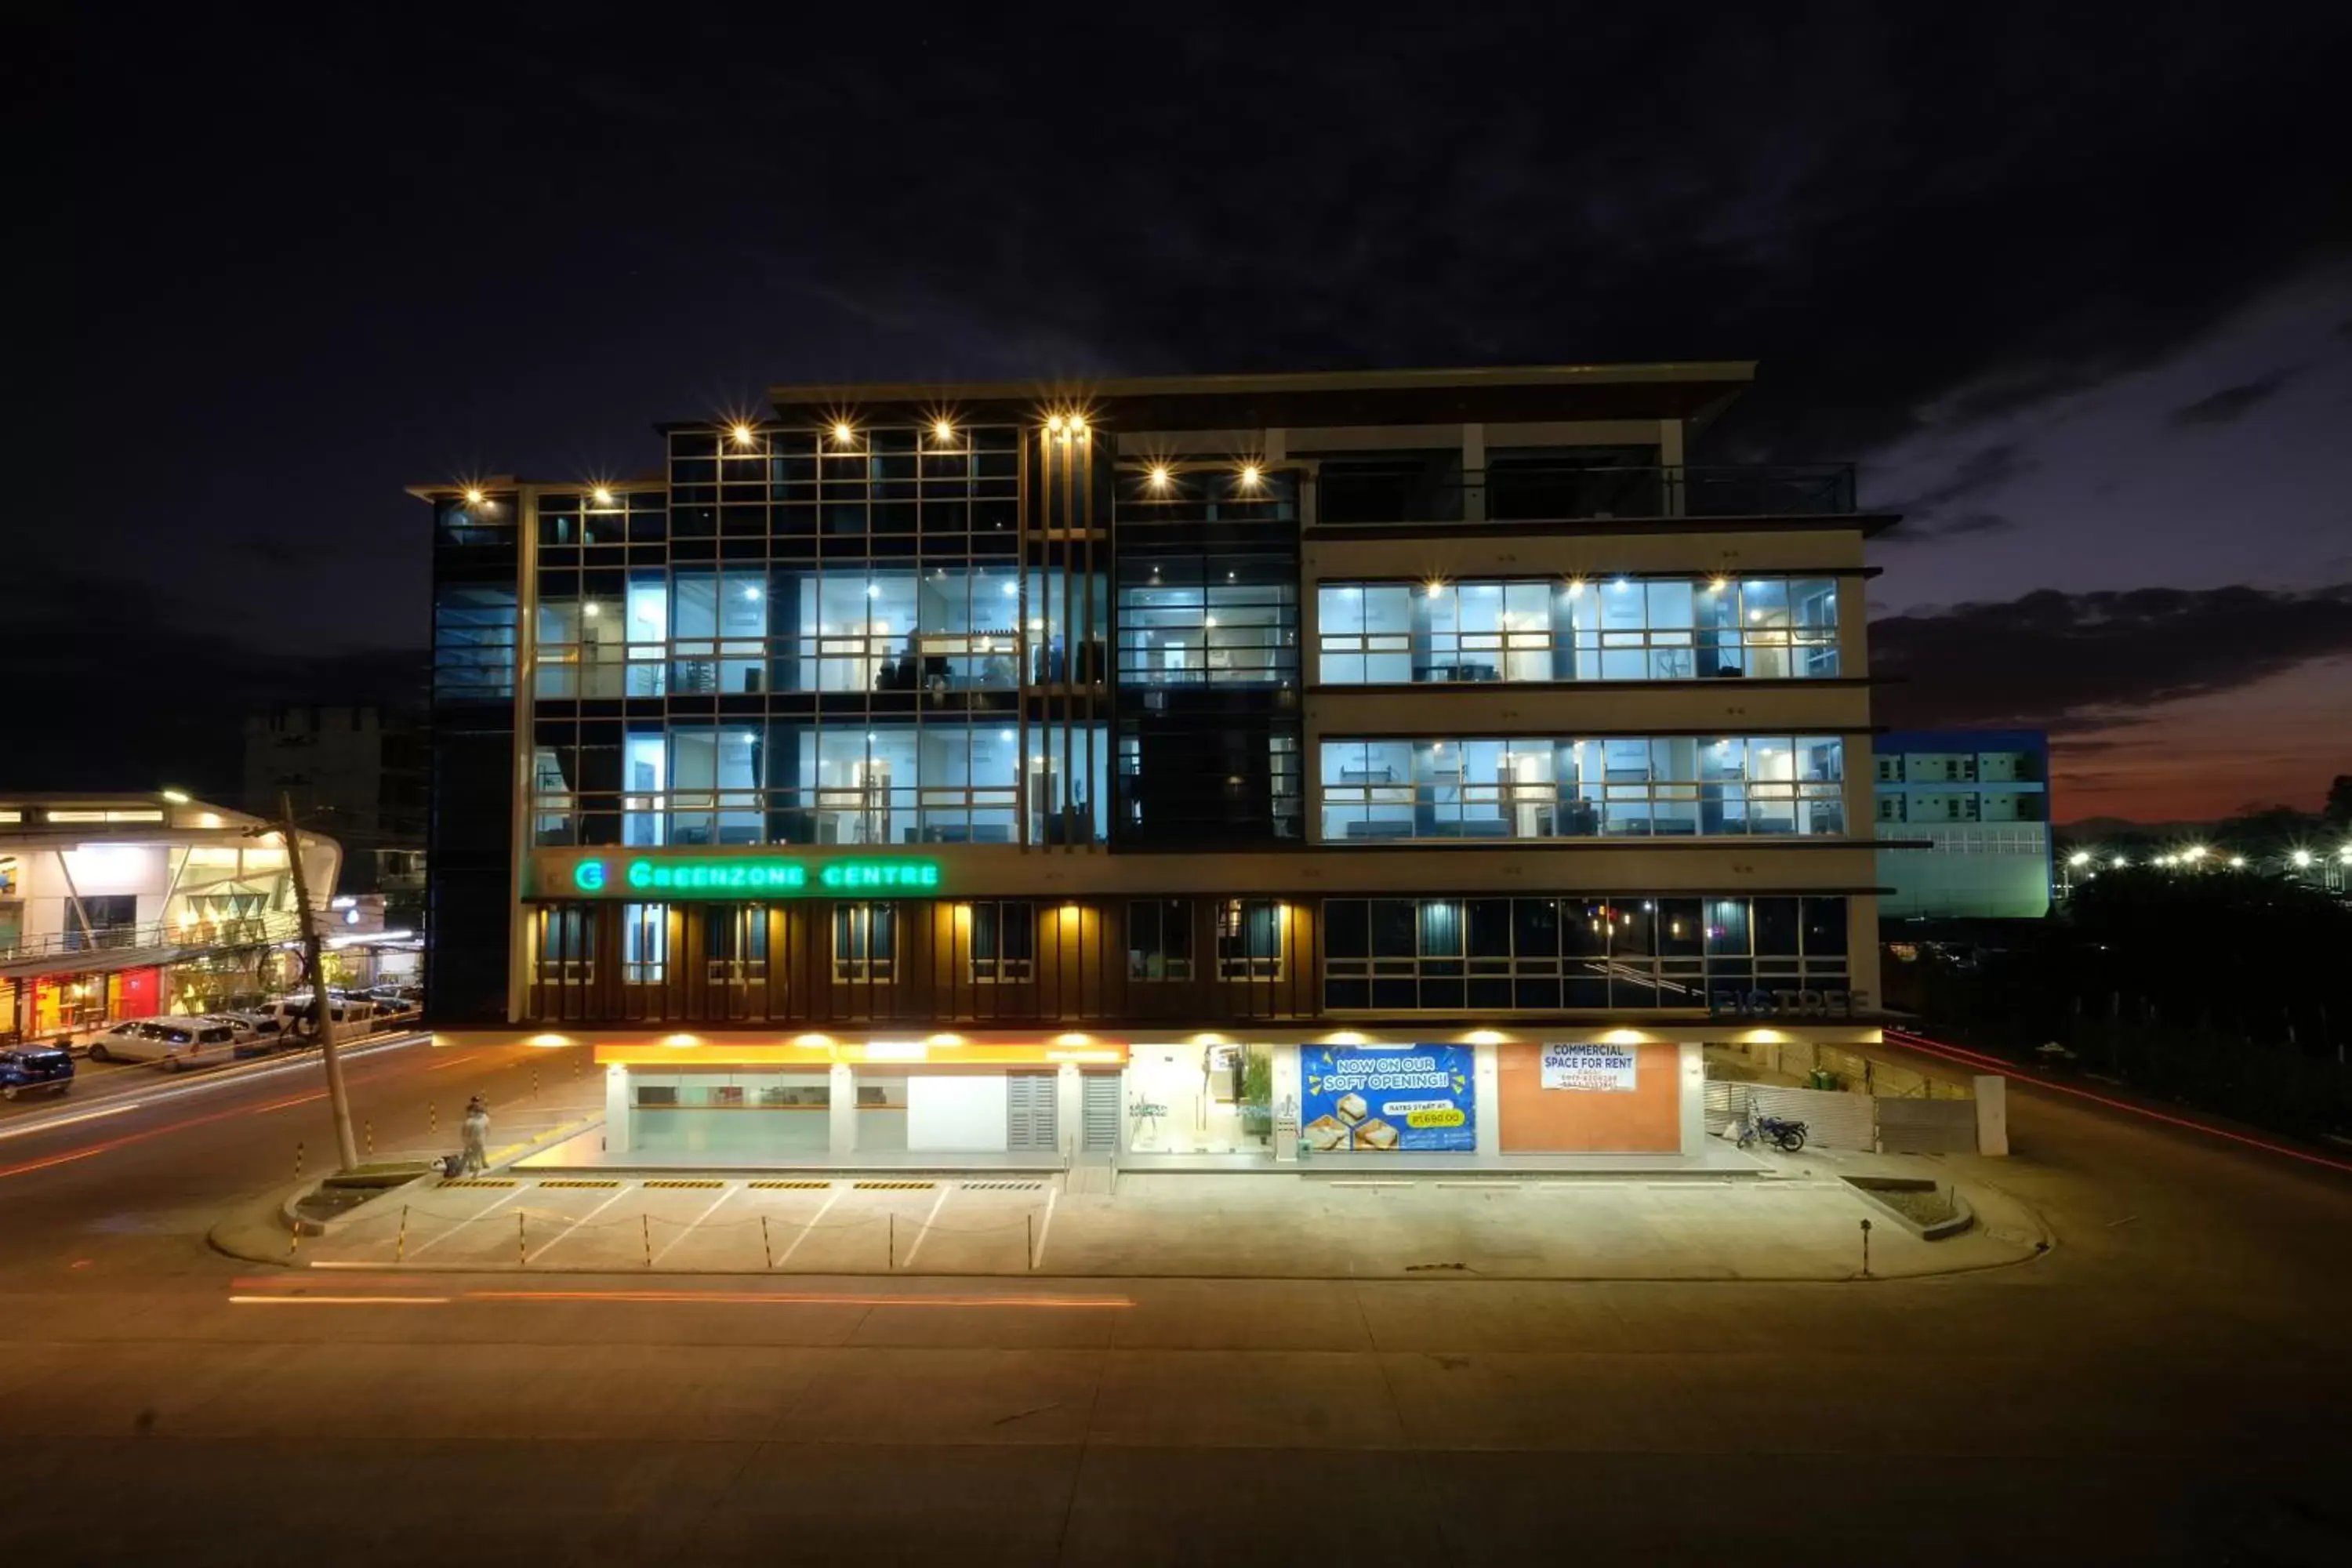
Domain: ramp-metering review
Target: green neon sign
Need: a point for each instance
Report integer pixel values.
(754, 877)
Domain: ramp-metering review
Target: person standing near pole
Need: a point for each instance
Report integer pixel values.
(477, 1136)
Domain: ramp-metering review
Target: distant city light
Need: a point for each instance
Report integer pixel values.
(2080, 857)
(2301, 857)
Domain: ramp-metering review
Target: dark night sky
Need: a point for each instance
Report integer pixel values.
(2074, 284)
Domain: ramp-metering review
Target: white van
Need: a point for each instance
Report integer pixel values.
(170, 1043)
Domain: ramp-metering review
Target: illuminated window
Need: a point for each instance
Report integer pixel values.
(862, 944)
(1003, 940)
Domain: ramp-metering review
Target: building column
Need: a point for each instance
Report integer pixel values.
(1692, 1063)
(617, 1109)
(1285, 1105)
(842, 1117)
(1069, 1107)
(1486, 1096)
(1474, 473)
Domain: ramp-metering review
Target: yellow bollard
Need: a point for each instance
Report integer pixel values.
(894, 1241)
(522, 1255)
(298, 1159)
(293, 1239)
(370, 1124)
(1032, 1218)
(766, 1251)
(400, 1249)
(646, 1225)
(534, 1083)
(433, 1119)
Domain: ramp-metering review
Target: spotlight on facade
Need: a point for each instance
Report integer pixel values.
(842, 432)
(942, 432)
(473, 496)
(1077, 424)
(175, 796)
(601, 496)
(1054, 422)
(1160, 477)
(1251, 475)
(743, 434)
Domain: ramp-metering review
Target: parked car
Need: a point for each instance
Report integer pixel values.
(260, 1032)
(128, 1041)
(294, 1011)
(194, 1042)
(35, 1069)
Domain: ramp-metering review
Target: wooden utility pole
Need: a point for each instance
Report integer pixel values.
(322, 1016)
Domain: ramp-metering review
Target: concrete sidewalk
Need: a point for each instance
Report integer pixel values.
(1801, 1224)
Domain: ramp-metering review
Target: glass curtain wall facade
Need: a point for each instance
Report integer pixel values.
(1520, 630)
(1534, 787)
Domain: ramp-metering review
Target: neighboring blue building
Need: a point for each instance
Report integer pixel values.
(1982, 799)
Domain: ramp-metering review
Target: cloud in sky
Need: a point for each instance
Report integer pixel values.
(2232, 403)
(2081, 661)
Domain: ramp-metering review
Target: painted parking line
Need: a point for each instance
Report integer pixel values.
(809, 1230)
(625, 1190)
(423, 1247)
(936, 1204)
(1045, 1229)
(696, 1220)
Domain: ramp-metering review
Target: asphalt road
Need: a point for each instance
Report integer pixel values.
(2167, 1386)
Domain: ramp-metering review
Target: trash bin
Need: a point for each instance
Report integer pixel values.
(1825, 1078)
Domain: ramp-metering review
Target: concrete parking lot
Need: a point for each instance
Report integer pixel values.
(1803, 1225)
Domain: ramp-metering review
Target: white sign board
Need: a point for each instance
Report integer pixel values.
(1608, 1068)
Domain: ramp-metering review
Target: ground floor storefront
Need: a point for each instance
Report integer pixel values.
(1207, 1100)
(45, 1006)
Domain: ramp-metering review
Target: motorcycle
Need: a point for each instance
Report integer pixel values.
(1788, 1135)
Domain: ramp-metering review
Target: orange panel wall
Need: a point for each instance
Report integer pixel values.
(1564, 1120)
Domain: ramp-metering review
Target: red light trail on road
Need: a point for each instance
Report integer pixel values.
(108, 1145)
(1966, 1057)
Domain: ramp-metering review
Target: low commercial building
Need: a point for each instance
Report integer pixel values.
(127, 906)
(1365, 767)
(1979, 800)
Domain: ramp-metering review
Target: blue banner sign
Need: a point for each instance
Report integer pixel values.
(1384, 1098)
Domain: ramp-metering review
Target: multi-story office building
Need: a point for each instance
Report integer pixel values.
(1343, 765)
(353, 770)
(1971, 808)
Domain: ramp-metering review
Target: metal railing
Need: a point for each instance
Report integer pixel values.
(243, 930)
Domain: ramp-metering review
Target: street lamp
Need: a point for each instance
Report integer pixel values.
(2079, 859)
(2302, 859)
